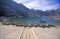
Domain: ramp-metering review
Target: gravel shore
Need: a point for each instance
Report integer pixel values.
(13, 32)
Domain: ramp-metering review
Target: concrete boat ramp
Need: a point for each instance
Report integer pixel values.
(13, 32)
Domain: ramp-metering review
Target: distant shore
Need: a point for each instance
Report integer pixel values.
(54, 17)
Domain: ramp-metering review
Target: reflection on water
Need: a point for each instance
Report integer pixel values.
(31, 20)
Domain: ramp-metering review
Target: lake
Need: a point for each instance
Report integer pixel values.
(33, 20)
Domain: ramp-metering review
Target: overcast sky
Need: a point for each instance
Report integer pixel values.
(40, 4)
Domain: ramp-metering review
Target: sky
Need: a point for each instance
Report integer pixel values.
(40, 4)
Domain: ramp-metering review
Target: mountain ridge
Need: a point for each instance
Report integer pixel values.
(9, 8)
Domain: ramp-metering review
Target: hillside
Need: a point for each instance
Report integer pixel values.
(9, 8)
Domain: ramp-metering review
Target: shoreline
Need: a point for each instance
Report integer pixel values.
(13, 32)
(31, 25)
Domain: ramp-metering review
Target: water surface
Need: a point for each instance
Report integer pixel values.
(34, 20)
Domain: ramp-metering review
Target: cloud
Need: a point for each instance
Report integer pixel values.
(40, 4)
(22, 1)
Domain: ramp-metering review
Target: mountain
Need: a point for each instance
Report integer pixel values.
(57, 11)
(47, 12)
(11, 8)
(53, 12)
